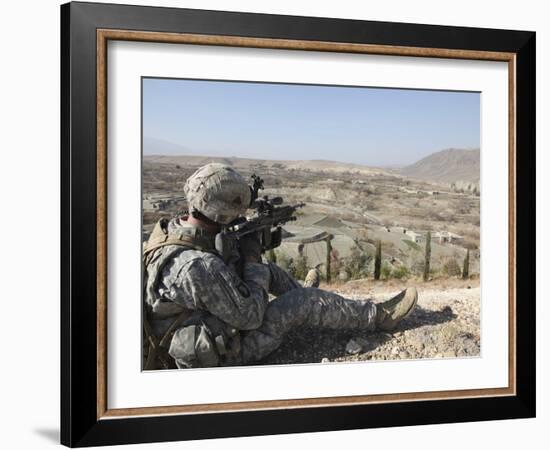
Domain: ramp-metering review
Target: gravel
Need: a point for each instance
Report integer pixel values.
(445, 324)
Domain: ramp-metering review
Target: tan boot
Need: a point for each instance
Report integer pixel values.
(392, 311)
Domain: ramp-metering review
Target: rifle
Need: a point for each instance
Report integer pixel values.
(269, 214)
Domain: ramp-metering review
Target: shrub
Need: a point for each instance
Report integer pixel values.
(416, 265)
(401, 272)
(385, 271)
(298, 269)
(283, 260)
(356, 265)
(335, 264)
(451, 268)
(469, 244)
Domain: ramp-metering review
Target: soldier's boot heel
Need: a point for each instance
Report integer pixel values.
(392, 311)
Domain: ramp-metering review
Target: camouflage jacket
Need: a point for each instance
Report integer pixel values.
(180, 277)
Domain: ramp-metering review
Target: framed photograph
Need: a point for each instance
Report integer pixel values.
(277, 224)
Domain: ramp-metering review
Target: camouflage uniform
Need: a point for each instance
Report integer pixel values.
(313, 278)
(236, 308)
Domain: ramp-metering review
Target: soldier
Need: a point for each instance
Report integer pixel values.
(201, 311)
(313, 277)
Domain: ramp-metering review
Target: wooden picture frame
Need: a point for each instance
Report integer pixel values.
(86, 418)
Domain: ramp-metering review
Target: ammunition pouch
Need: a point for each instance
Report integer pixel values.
(155, 349)
(207, 342)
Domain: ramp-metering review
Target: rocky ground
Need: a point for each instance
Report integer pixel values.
(445, 324)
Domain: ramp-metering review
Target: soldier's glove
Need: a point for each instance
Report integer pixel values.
(250, 247)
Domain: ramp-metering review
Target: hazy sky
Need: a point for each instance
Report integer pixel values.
(369, 126)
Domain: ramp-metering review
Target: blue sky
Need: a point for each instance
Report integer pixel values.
(371, 126)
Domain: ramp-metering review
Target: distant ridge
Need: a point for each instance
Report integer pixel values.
(446, 166)
(245, 163)
(154, 146)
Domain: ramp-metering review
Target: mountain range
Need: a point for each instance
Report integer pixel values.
(446, 166)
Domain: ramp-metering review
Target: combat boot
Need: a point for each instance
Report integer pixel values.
(392, 311)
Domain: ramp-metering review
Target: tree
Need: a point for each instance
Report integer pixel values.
(378, 260)
(329, 256)
(466, 266)
(356, 264)
(427, 256)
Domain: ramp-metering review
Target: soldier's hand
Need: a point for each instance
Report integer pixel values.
(250, 247)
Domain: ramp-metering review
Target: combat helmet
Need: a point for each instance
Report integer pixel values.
(218, 192)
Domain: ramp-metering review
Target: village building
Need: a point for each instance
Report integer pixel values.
(446, 237)
(416, 237)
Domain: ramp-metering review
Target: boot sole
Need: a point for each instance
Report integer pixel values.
(406, 293)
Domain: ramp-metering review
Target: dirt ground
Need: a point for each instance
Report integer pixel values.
(445, 324)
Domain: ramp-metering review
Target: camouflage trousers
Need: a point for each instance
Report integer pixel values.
(296, 307)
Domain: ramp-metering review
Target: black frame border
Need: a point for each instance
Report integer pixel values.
(79, 423)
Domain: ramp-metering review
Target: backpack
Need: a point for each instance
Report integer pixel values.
(155, 349)
(193, 338)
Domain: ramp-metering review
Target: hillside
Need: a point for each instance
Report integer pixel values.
(247, 163)
(446, 166)
(341, 198)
